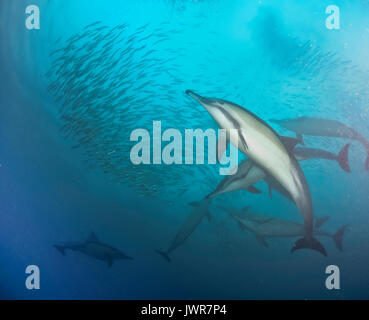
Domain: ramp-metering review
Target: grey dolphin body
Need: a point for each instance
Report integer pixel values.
(249, 173)
(94, 248)
(200, 210)
(263, 226)
(325, 128)
(256, 139)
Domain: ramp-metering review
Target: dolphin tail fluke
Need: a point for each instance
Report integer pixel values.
(165, 255)
(342, 158)
(61, 249)
(309, 243)
(338, 237)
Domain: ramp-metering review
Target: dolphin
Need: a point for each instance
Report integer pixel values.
(94, 248)
(325, 128)
(248, 173)
(313, 153)
(268, 227)
(259, 142)
(200, 210)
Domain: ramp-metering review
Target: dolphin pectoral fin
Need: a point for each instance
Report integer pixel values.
(165, 255)
(245, 209)
(242, 138)
(222, 144)
(342, 158)
(252, 189)
(338, 237)
(290, 143)
(312, 243)
(300, 138)
(261, 240)
(320, 221)
(208, 216)
(241, 225)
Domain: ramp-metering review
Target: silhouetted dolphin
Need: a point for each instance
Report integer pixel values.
(324, 128)
(94, 248)
(268, 227)
(256, 139)
(200, 210)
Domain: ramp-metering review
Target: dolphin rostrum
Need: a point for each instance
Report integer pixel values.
(200, 210)
(259, 142)
(94, 248)
(263, 226)
(324, 128)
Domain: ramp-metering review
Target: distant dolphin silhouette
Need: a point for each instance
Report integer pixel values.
(324, 128)
(94, 248)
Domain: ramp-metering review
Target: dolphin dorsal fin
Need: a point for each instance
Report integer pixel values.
(290, 143)
(93, 237)
(320, 221)
(253, 189)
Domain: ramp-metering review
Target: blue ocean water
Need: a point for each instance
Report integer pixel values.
(72, 92)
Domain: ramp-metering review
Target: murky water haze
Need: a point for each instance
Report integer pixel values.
(64, 147)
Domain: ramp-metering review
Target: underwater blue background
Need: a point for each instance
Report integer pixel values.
(60, 184)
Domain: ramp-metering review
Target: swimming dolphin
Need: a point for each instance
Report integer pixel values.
(200, 210)
(325, 128)
(248, 173)
(268, 227)
(94, 248)
(259, 142)
(313, 153)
